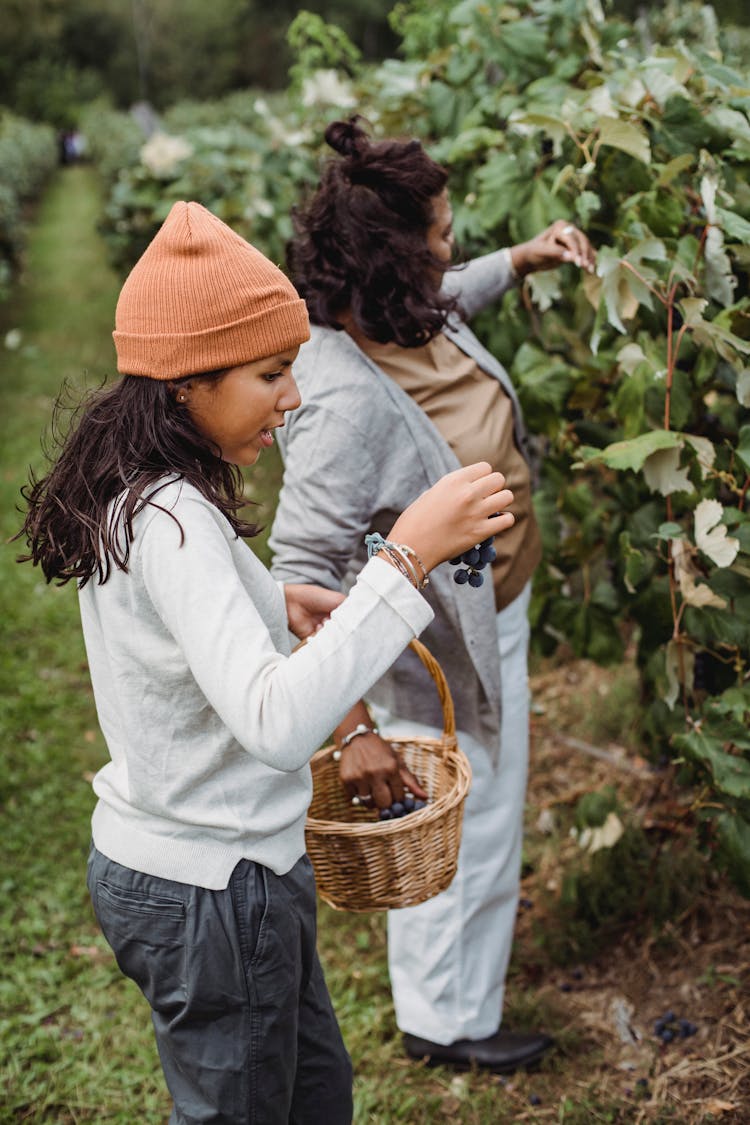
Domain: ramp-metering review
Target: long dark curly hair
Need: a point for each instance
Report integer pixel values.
(122, 442)
(360, 244)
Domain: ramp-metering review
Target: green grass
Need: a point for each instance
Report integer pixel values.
(75, 1037)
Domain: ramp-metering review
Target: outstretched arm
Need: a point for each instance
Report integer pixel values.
(484, 280)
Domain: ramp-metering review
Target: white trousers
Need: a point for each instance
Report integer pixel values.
(448, 957)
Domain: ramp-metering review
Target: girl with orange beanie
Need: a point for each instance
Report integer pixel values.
(197, 869)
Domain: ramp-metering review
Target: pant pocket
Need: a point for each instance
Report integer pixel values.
(147, 933)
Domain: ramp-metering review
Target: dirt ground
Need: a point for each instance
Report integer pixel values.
(697, 967)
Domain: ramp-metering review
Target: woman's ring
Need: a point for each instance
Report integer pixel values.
(357, 800)
(568, 229)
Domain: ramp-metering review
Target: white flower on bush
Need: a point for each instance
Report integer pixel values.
(259, 208)
(326, 87)
(162, 153)
(13, 339)
(711, 537)
(280, 132)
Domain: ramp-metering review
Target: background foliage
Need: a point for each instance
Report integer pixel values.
(57, 55)
(635, 381)
(28, 153)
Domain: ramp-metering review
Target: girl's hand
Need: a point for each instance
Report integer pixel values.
(308, 607)
(457, 512)
(559, 243)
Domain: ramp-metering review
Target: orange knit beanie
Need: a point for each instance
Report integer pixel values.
(200, 298)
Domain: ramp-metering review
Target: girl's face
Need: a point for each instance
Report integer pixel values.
(440, 239)
(239, 411)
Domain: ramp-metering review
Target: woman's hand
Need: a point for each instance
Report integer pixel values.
(463, 508)
(308, 607)
(371, 769)
(559, 243)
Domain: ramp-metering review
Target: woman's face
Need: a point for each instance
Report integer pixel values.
(440, 239)
(239, 411)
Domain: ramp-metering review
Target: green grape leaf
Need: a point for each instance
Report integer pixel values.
(735, 227)
(682, 127)
(669, 530)
(501, 187)
(735, 701)
(544, 288)
(633, 453)
(709, 333)
(624, 136)
(470, 143)
(674, 168)
(629, 401)
(742, 449)
(620, 302)
(587, 204)
(719, 278)
(743, 386)
(731, 773)
(553, 127)
(733, 833)
(540, 208)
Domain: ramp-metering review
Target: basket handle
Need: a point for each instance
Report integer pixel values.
(434, 669)
(446, 700)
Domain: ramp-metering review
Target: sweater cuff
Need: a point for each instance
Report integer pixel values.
(509, 262)
(390, 585)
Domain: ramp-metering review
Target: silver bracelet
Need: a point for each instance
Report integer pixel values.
(410, 554)
(358, 730)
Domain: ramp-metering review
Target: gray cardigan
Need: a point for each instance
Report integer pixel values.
(356, 453)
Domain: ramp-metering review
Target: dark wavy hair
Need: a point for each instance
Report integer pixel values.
(360, 243)
(121, 442)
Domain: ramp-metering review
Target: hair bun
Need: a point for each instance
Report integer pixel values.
(347, 138)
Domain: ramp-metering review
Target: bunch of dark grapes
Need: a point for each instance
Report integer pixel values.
(402, 808)
(475, 560)
(669, 1027)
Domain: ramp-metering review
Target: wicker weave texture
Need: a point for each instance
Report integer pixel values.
(362, 863)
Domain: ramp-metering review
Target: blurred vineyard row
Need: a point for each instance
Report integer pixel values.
(636, 381)
(28, 153)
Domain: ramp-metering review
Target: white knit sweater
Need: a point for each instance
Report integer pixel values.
(209, 721)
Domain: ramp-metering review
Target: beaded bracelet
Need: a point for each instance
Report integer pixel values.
(400, 555)
(360, 728)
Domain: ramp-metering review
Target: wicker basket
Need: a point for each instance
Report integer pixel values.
(362, 863)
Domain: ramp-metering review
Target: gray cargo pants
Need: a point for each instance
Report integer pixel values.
(243, 1020)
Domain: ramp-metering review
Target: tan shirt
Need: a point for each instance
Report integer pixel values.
(474, 415)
